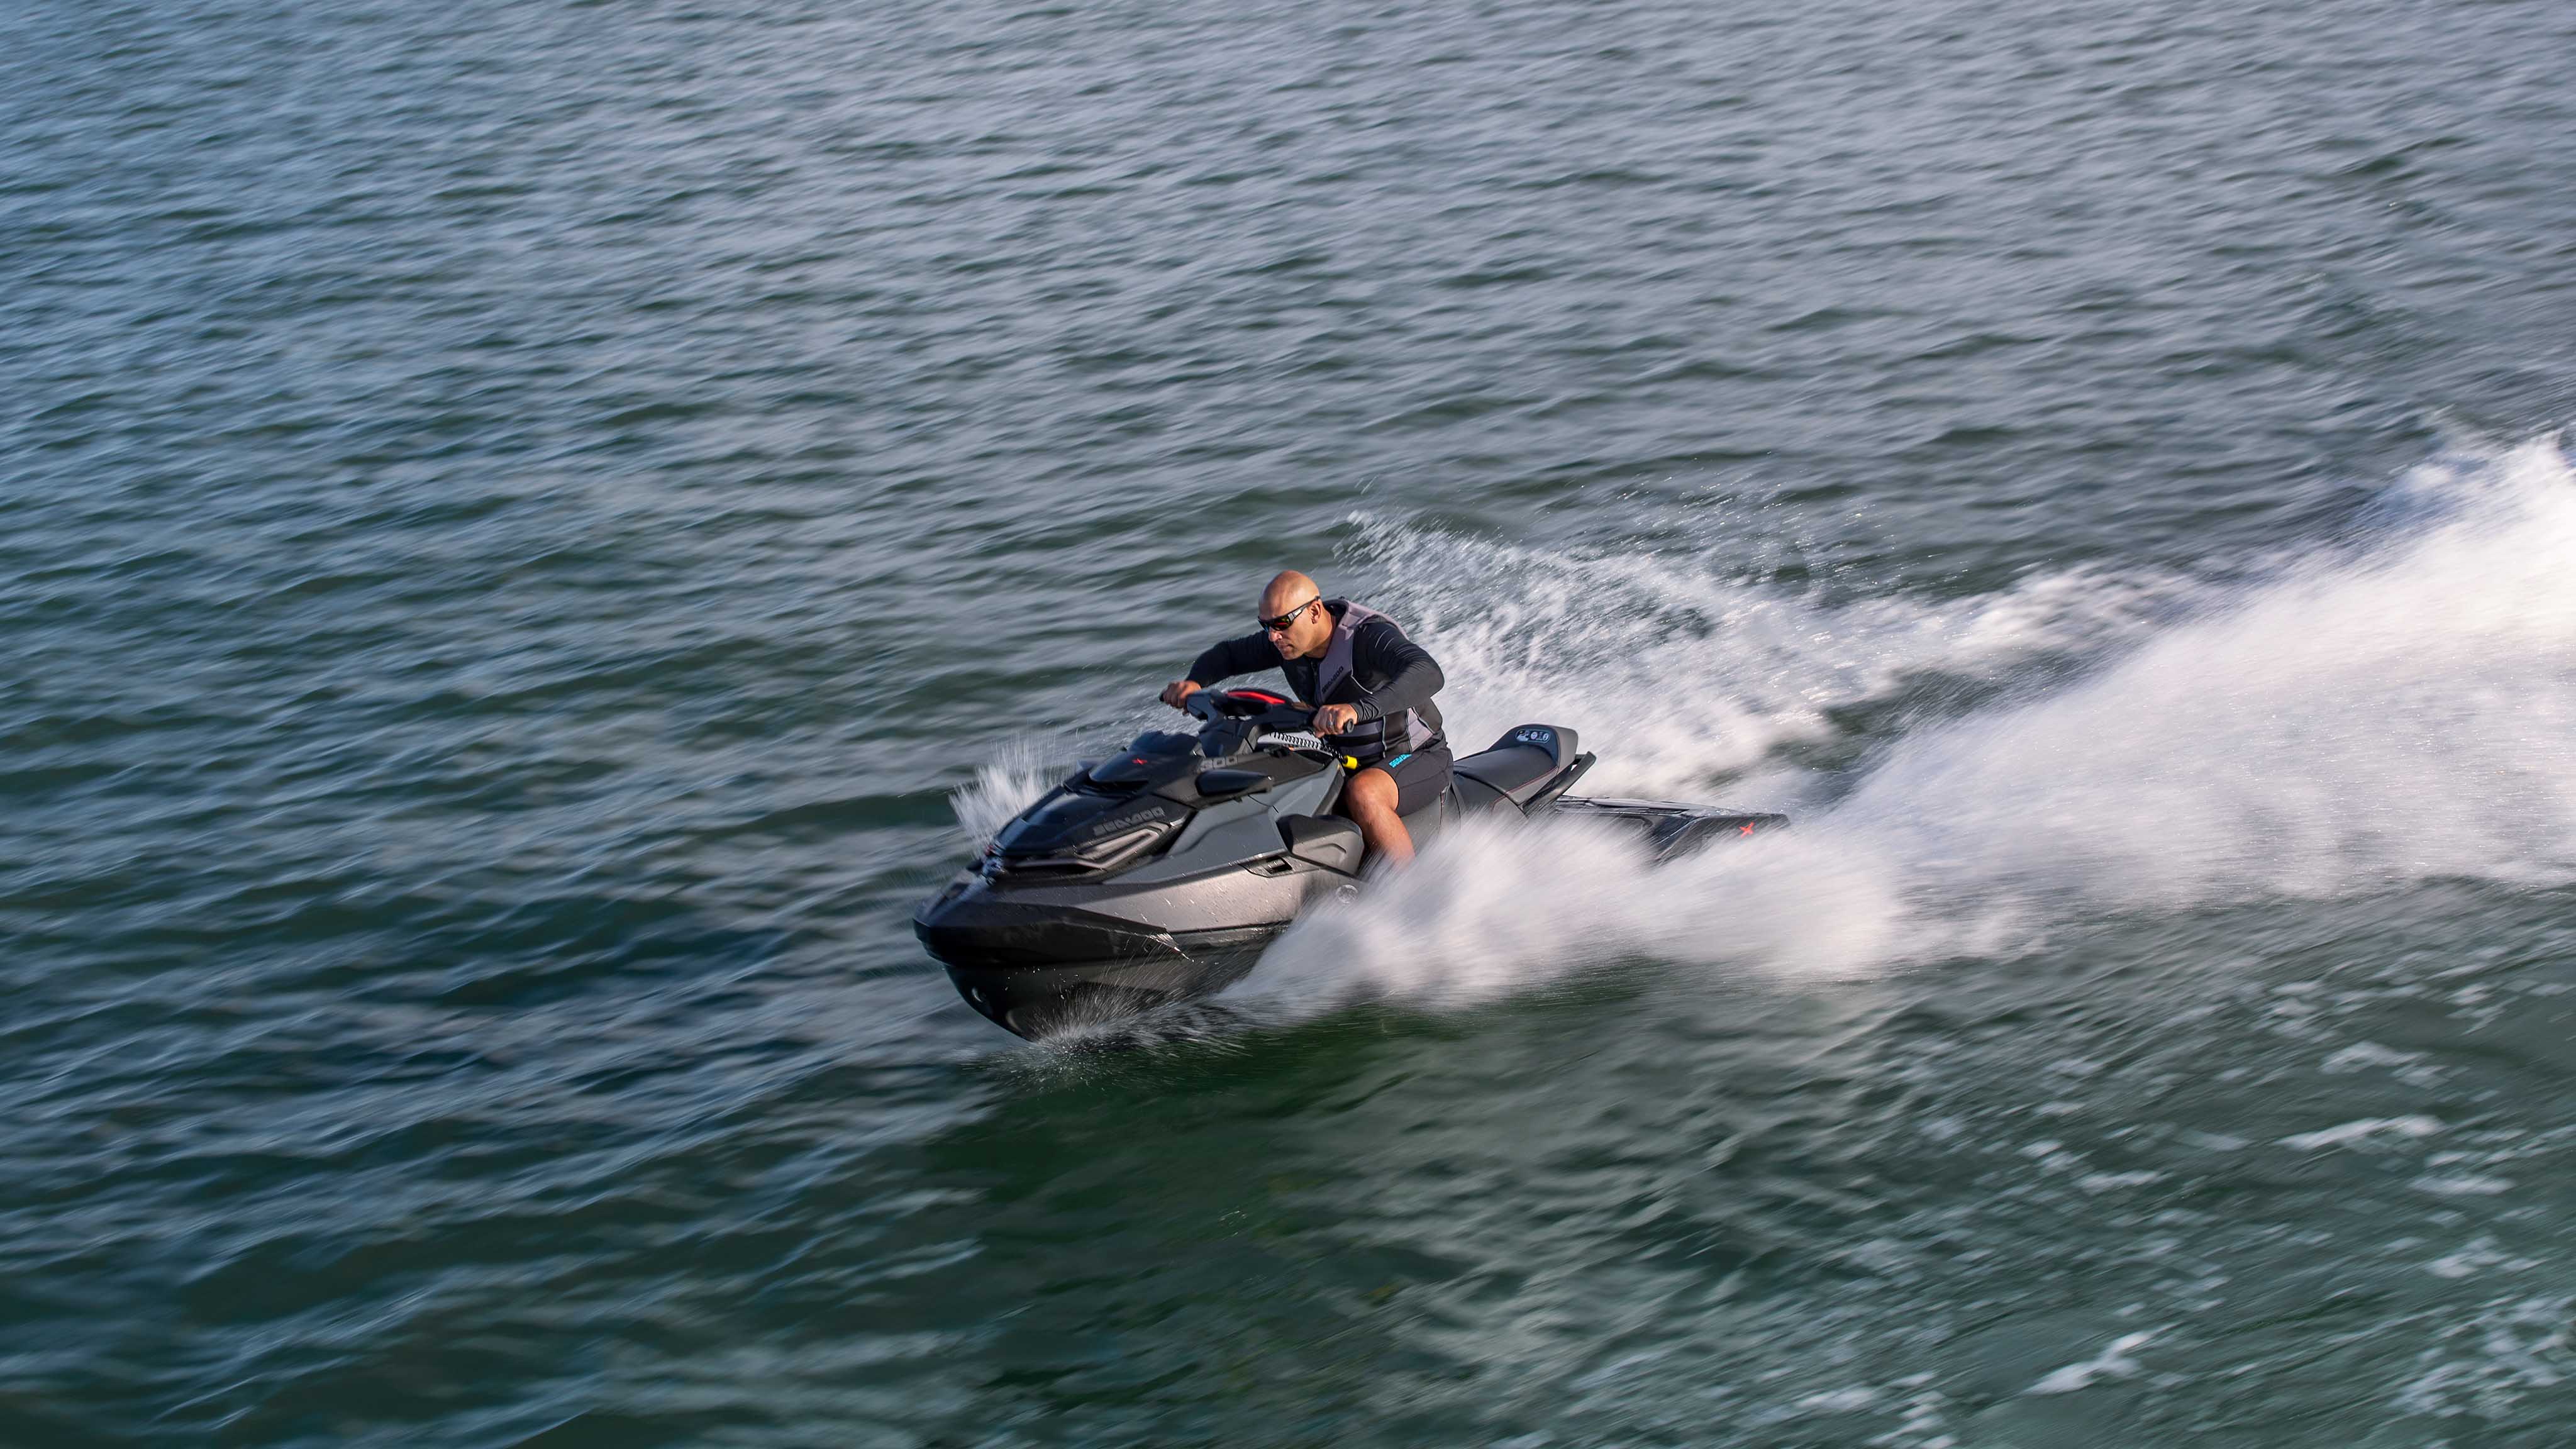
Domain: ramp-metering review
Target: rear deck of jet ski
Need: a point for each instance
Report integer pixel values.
(1669, 830)
(1532, 766)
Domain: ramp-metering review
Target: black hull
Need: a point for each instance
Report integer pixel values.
(1037, 1002)
(1036, 970)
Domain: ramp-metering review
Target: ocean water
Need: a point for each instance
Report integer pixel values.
(531, 536)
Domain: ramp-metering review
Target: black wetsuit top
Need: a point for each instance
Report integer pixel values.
(1394, 670)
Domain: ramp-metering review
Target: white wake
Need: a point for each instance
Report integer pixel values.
(2363, 716)
(2359, 719)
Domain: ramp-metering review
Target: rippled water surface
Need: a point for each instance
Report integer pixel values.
(523, 529)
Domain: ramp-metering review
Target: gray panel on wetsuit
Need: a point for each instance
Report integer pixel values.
(1338, 668)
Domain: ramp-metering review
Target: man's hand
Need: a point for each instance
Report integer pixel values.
(1178, 692)
(1332, 719)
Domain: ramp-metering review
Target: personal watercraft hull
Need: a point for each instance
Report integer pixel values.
(1159, 876)
(1043, 1001)
(1038, 969)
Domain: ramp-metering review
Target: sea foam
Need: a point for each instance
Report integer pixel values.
(2371, 714)
(2366, 714)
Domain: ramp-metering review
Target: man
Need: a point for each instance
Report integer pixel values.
(1372, 689)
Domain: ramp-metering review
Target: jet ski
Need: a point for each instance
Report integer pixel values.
(1159, 874)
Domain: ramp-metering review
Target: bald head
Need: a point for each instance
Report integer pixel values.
(1286, 592)
(1309, 631)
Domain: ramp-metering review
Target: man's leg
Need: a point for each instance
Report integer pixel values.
(1368, 797)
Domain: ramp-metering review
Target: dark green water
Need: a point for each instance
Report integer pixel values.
(516, 520)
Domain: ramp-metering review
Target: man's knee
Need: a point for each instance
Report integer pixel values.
(1371, 792)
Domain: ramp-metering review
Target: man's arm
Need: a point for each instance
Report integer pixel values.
(1412, 676)
(1248, 655)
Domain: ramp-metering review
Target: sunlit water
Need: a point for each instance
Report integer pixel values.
(534, 535)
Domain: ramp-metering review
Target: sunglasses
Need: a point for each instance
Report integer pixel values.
(1283, 621)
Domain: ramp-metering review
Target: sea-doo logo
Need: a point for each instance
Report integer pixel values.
(1534, 737)
(1136, 817)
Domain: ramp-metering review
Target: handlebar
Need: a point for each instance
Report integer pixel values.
(1263, 711)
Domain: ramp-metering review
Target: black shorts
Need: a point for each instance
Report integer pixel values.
(1419, 777)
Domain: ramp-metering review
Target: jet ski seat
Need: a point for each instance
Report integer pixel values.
(1521, 762)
